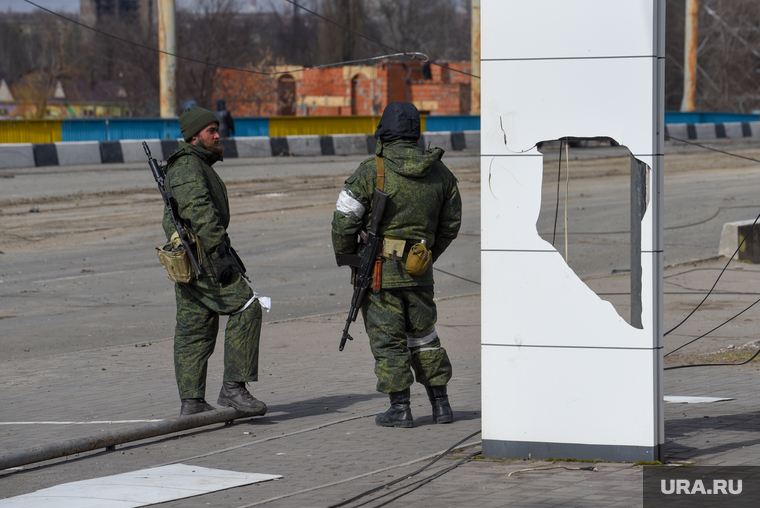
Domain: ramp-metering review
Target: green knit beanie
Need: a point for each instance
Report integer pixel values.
(193, 119)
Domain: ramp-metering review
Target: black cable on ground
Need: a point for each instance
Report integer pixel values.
(708, 333)
(431, 478)
(714, 364)
(405, 477)
(716, 281)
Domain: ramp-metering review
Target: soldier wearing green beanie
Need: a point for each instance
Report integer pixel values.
(203, 206)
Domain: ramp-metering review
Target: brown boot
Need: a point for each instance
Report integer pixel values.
(235, 394)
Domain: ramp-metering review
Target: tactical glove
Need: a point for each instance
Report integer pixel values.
(225, 266)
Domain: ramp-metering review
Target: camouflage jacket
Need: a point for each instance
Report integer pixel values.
(201, 197)
(424, 203)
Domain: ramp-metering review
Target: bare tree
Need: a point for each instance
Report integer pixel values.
(337, 44)
(728, 56)
(433, 27)
(52, 58)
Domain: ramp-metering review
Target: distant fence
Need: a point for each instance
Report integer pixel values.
(30, 131)
(695, 117)
(117, 129)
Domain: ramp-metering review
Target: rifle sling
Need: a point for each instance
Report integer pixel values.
(377, 279)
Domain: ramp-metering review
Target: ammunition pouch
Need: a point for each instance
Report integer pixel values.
(176, 259)
(393, 248)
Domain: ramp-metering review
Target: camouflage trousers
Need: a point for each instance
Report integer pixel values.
(199, 305)
(403, 339)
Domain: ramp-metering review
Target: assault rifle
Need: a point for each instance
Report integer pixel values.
(171, 205)
(372, 251)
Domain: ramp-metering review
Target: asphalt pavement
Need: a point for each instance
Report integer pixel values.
(319, 433)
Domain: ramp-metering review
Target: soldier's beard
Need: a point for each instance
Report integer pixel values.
(211, 147)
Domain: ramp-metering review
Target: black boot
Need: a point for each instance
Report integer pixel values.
(442, 412)
(235, 394)
(193, 406)
(399, 414)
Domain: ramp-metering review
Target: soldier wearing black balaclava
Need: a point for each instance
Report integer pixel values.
(423, 215)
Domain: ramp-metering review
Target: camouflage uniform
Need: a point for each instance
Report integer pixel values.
(424, 203)
(202, 203)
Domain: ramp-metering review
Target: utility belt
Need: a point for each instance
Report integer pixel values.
(418, 257)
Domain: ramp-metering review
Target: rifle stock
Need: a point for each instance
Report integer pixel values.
(171, 206)
(363, 277)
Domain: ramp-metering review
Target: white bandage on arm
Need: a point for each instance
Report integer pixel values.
(348, 205)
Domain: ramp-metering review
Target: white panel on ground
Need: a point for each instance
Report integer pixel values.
(563, 374)
(680, 399)
(138, 488)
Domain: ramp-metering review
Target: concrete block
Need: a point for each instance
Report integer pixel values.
(732, 235)
(350, 144)
(326, 144)
(458, 141)
(110, 152)
(755, 129)
(280, 146)
(304, 145)
(678, 130)
(472, 140)
(230, 148)
(371, 144)
(168, 147)
(705, 130)
(16, 155)
(45, 154)
(733, 129)
(441, 139)
(132, 150)
(78, 152)
(254, 146)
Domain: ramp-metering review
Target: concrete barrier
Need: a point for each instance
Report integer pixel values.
(257, 146)
(709, 131)
(441, 139)
(472, 140)
(304, 145)
(132, 150)
(349, 144)
(21, 155)
(731, 238)
(16, 155)
(72, 153)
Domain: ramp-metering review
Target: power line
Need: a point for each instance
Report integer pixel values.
(412, 55)
(372, 40)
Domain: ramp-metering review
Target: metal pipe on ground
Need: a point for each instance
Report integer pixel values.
(110, 440)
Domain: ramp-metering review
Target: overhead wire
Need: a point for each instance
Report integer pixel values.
(414, 55)
(371, 39)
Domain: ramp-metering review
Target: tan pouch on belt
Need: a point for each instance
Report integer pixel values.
(419, 259)
(176, 259)
(391, 245)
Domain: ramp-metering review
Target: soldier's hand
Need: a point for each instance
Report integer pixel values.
(225, 268)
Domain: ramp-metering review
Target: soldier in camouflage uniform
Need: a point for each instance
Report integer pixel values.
(202, 203)
(424, 204)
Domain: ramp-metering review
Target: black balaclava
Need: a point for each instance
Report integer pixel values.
(400, 120)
